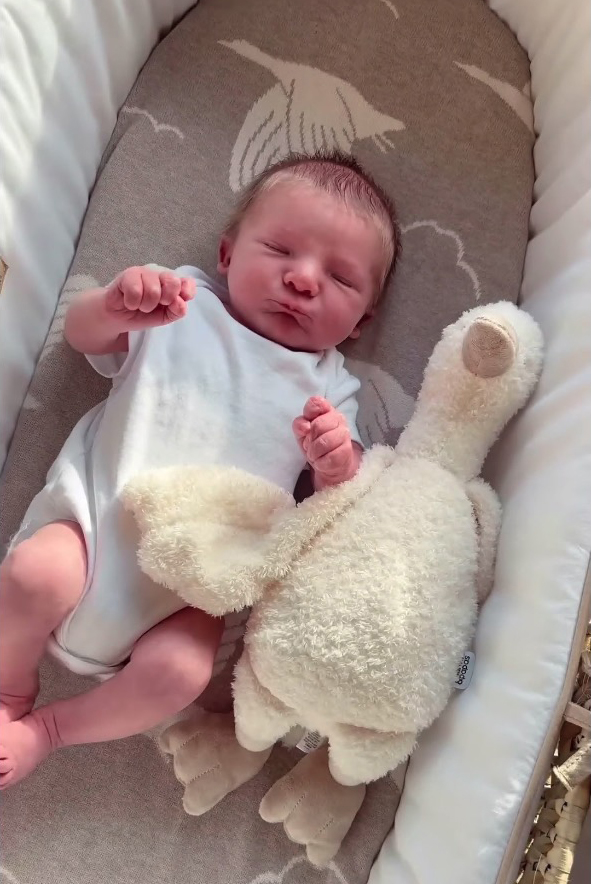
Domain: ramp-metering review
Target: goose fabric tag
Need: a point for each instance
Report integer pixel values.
(310, 742)
(465, 671)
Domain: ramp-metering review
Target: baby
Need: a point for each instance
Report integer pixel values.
(245, 375)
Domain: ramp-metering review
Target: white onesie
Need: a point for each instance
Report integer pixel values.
(203, 390)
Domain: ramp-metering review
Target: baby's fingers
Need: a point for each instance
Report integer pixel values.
(170, 288)
(316, 406)
(188, 288)
(151, 290)
(131, 287)
(328, 443)
(301, 429)
(177, 309)
(325, 423)
(335, 464)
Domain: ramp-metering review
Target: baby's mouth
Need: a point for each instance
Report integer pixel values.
(291, 310)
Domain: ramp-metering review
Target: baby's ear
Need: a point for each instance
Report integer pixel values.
(225, 254)
(363, 321)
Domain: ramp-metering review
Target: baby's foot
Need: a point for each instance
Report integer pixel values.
(23, 745)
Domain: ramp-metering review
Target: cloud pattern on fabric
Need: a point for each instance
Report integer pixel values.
(290, 874)
(156, 126)
(461, 263)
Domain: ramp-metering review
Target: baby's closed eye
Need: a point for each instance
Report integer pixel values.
(277, 248)
(342, 280)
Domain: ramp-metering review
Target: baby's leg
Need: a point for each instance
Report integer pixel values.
(41, 582)
(169, 667)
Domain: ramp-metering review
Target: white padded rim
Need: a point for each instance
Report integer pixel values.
(65, 69)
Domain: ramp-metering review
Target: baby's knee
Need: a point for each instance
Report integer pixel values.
(182, 673)
(19, 574)
(31, 581)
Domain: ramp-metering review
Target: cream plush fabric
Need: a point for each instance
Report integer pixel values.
(365, 595)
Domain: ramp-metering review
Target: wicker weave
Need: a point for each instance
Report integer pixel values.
(555, 834)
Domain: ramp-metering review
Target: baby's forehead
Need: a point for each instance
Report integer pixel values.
(278, 201)
(279, 189)
(283, 187)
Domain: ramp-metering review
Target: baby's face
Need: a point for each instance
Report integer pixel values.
(303, 269)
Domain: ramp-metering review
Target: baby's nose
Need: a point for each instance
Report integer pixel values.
(304, 279)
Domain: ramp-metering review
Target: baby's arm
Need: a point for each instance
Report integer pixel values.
(98, 320)
(324, 437)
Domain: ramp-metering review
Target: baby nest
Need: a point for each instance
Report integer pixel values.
(128, 129)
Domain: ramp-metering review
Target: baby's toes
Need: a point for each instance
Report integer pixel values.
(6, 768)
(25, 743)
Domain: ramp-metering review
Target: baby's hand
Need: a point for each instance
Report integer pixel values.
(324, 437)
(144, 298)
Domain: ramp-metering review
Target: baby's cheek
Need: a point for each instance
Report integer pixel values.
(259, 275)
(246, 282)
(340, 318)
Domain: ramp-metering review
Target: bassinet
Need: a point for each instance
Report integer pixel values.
(473, 786)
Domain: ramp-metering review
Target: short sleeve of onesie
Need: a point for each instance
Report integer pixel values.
(115, 365)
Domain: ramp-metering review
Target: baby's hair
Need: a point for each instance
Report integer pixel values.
(339, 175)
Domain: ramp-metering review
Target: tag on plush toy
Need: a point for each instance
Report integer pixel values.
(311, 741)
(465, 671)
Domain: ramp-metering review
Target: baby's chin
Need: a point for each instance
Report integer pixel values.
(286, 330)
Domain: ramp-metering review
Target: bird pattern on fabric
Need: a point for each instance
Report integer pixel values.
(307, 110)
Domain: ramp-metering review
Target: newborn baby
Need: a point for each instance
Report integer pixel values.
(246, 376)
